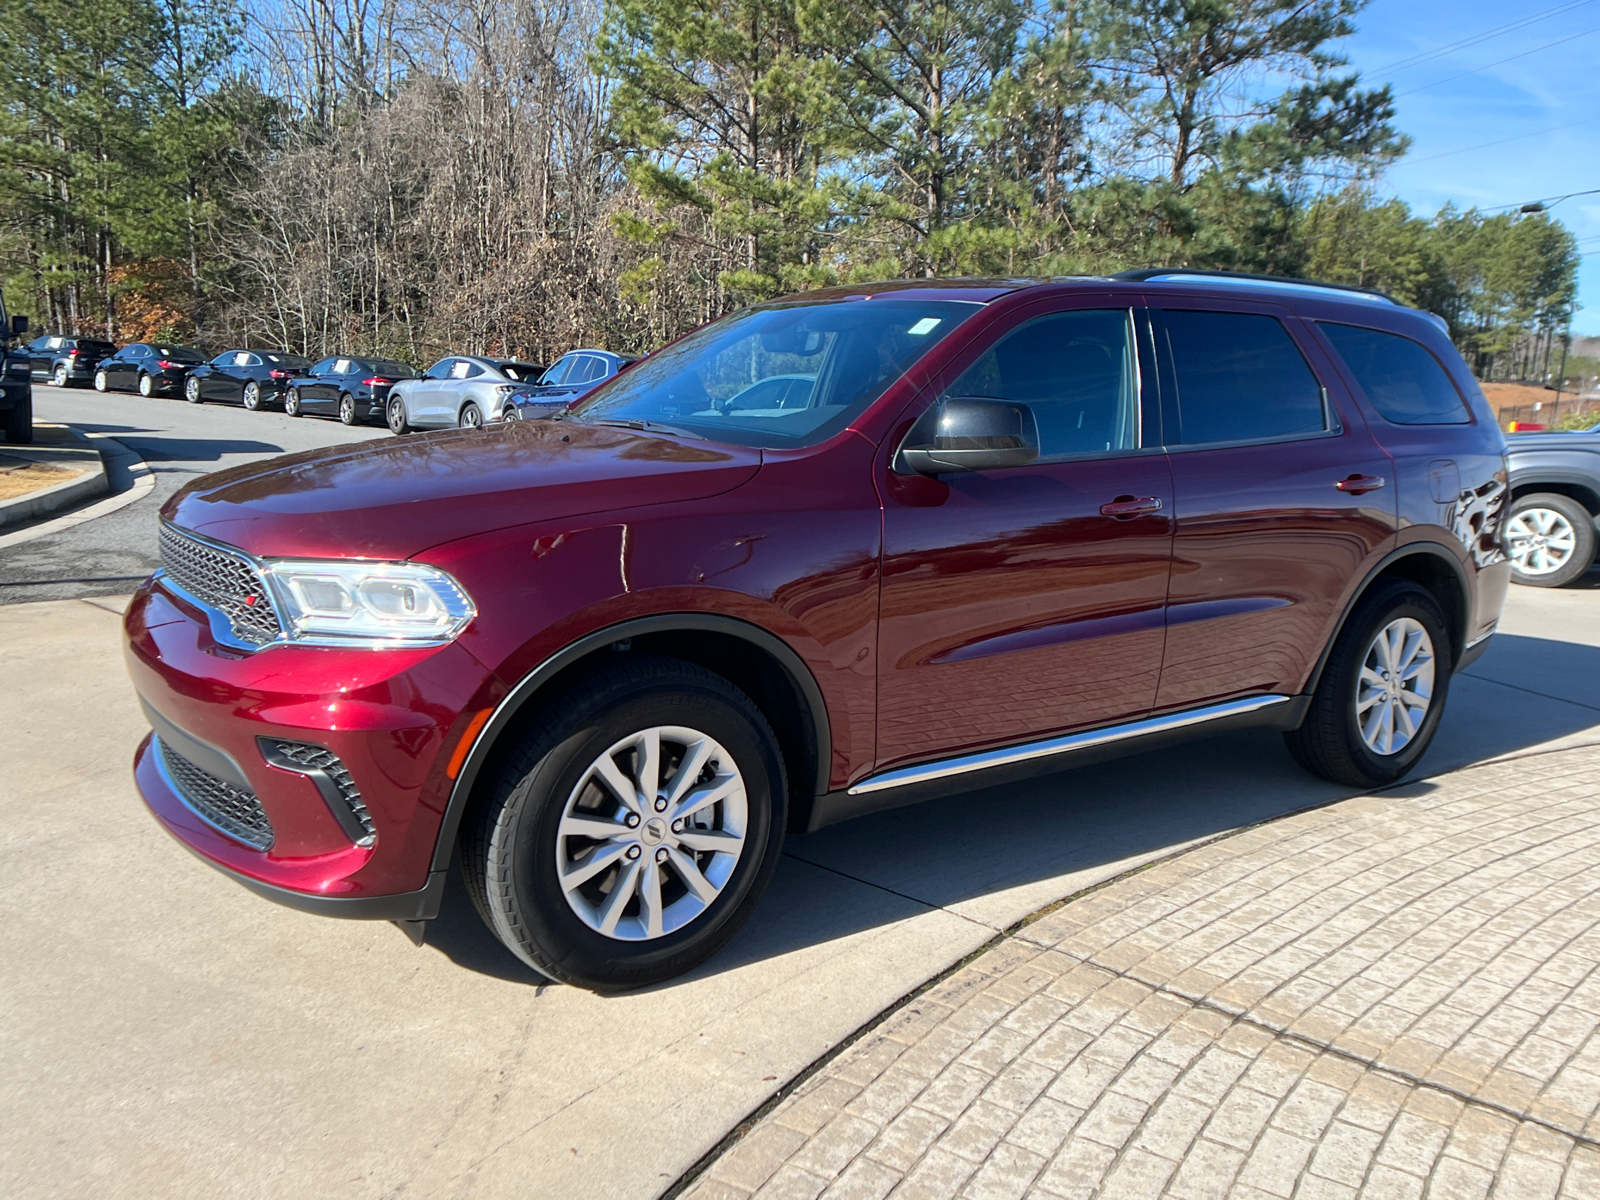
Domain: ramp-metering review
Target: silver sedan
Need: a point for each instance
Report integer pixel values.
(459, 392)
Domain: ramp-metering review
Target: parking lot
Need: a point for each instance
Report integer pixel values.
(167, 1033)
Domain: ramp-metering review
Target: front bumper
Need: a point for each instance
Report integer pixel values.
(390, 717)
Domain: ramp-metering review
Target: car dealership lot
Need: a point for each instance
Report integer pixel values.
(167, 1033)
(179, 442)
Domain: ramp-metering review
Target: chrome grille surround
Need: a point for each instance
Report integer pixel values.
(313, 758)
(220, 805)
(223, 580)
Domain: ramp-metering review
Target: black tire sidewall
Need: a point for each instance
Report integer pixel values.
(147, 386)
(291, 402)
(471, 407)
(1392, 604)
(245, 398)
(526, 833)
(1582, 527)
(347, 404)
(395, 415)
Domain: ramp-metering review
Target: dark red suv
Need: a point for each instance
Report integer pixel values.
(823, 556)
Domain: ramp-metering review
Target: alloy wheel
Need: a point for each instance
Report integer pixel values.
(1541, 540)
(61, 377)
(291, 402)
(147, 386)
(1395, 687)
(472, 417)
(347, 408)
(252, 395)
(191, 390)
(100, 383)
(396, 414)
(652, 833)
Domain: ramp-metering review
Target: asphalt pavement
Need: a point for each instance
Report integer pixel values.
(179, 441)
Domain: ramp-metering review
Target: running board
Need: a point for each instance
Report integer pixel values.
(925, 781)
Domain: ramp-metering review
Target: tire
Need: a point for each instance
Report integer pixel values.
(1330, 742)
(1550, 539)
(291, 402)
(347, 409)
(147, 386)
(191, 391)
(101, 384)
(18, 427)
(251, 396)
(395, 416)
(471, 416)
(511, 846)
(60, 376)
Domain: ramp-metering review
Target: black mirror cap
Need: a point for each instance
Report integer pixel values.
(19, 325)
(970, 433)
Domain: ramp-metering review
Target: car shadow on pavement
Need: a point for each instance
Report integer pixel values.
(993, 854)
(154, 445)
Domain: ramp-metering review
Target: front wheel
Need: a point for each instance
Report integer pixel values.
(1550, 539)
(291, 402)
(191, 390)
(1382, 692)
(252, 395)
(396, 416)
(147, 386)
(101, 384)
(347, 409)
(60, 377)
(630, 833)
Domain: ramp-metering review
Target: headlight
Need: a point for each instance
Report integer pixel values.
(368, 603)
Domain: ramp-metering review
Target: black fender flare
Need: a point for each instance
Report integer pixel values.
(1431, 549)
(534, 680)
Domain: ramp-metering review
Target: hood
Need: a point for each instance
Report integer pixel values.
(397, 498)
(1552, 441)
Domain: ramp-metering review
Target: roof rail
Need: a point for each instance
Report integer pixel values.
(1153, 273)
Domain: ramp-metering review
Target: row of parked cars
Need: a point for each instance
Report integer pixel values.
(461, 390)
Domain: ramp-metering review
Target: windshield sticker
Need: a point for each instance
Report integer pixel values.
(924, 326)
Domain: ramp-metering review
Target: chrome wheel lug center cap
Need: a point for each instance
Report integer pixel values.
(654, 832)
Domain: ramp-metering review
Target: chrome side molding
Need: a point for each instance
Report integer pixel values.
(924, 772)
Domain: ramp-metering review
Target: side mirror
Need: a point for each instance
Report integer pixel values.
(970, 433)
(19, 326)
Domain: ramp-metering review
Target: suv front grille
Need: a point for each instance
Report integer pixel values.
(318, 758)
(223, 580)
(238, 814)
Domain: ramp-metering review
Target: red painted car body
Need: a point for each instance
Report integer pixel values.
(883, 619)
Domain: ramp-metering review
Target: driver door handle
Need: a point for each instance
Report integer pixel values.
(1130, 506)
(1358, 485)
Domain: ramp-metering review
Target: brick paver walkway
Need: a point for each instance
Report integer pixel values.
(1396, 996)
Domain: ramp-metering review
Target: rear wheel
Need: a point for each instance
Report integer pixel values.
(471, 416)
(147, 386)
(252, 395)
(347, 409)
(632, 831)
(395, 414)
(1551, 539)
(1378, 703)
(291, 402)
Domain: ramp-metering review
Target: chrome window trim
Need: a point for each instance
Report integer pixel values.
(944, 768)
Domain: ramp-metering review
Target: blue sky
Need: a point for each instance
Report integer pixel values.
(1548, 101)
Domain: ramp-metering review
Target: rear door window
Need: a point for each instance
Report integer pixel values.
(1404, 382)
(558, 373)
(1240, 378)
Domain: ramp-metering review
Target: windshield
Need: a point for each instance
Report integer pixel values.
(390, 369)
(781, 376)
(288, 360)
(179, 354)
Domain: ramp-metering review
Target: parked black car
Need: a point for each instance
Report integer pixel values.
(1552, 532)
(61, 359)
(353, 389)
(572, 376)
(148, 368)
(248, 377)
(16, 383)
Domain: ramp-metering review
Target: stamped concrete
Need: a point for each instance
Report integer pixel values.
(164, 1032)
(1397, 995)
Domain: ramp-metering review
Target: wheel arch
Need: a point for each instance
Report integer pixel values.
(1576, 489)
(1432, 566)
(758, 662)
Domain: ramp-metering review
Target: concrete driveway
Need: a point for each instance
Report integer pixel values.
(166, 1033)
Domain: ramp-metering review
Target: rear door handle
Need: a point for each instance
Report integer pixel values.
(1358, 485)
(1130, 506)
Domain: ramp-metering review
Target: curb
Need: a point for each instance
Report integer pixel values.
(59, 495)
(144, 482)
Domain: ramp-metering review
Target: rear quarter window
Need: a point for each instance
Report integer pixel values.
(1404, 382)
(1240, 378)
